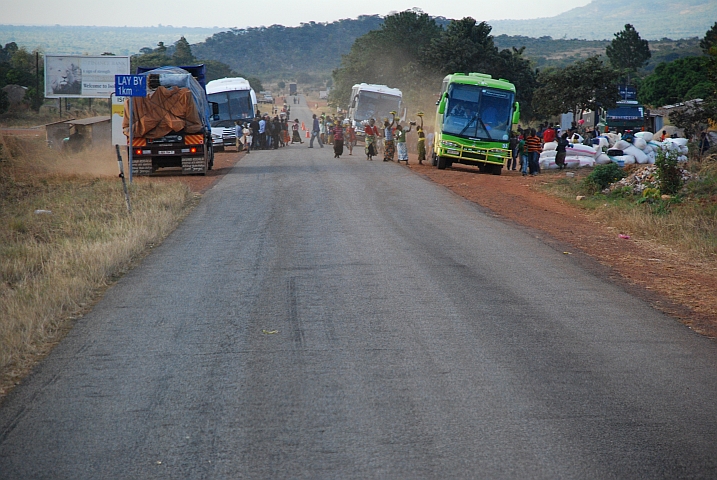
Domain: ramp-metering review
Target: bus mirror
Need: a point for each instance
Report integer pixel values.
(516, 114)
(442, 106)
(353, 102)
(215, 108)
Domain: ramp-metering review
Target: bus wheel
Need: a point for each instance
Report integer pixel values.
(434, 159)
(497, 169)
(441, 163)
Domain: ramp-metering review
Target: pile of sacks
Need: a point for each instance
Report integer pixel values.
(642, 149)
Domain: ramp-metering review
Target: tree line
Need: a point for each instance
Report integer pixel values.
(19, 67)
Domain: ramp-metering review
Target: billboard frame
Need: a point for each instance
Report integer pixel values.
(83, 76)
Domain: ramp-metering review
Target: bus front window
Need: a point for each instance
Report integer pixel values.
(478, 112)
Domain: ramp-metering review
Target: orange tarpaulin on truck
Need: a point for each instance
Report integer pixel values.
(166, 110)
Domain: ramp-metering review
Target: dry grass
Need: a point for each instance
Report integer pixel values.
(53, 264)
(686, 225)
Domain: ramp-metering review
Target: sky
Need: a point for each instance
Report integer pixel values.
(240, 14)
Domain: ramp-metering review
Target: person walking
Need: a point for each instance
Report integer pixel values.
(561, 150)
(350, 132)
(524, 155)
(389, 148)
(237, 135)
(295, 136)
(534, 147)
(254, 125)
(262, 134)
(401, 147)
(315, 130)
(371, 132)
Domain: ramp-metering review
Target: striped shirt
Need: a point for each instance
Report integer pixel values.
(533, 143)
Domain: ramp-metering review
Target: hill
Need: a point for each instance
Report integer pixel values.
(97, 40)
(600, 19)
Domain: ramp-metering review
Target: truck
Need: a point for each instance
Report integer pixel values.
(474, 118)
(372, 101)
(626, 115)
(171, 125)
(235, 101)
(292, 89)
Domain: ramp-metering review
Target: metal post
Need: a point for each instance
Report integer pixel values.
(131, 128)
(124, 184)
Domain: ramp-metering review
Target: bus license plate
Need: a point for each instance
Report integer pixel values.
(166, 152)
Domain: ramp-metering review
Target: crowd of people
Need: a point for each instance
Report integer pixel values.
(264, 132)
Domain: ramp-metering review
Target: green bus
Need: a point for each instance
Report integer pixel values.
(473, 122)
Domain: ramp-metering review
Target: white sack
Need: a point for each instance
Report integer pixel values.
(640, 143)
(548, 154)
(579, 149)
(684, 150)
(573, 161)
(640, 156)
(682, 158)
(602, 159)
(550, 146)
(586, 162)
(651, 157)
(626, 159)
(621, 145)
(646, 136)
(682, 142)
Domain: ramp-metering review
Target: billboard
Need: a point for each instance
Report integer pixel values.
(83, 76)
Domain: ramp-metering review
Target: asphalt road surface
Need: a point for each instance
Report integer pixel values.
(337, 318)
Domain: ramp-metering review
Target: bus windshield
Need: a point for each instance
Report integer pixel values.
(376, 105)
(233, 105)
(478, 112)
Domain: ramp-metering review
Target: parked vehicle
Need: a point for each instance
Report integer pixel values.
(372, 101)
(171, 125)
(474, 119)
(236, 101)
(292, 89)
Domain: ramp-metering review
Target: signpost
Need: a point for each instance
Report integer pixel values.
(130, 86)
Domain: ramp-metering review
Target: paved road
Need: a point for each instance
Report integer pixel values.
(417, 337)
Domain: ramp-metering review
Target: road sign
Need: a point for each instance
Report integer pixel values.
(131, 85)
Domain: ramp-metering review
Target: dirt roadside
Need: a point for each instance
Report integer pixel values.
(679, 286)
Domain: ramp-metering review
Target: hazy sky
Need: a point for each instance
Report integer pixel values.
(254, 13)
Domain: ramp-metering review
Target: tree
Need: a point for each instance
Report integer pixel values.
(674, 82)
(467, 46)
(627, 51)
(390, 55)
(584, 85)
(183, 53)
(709, 40)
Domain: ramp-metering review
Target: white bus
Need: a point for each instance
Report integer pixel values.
(372, 101)
(236, 101)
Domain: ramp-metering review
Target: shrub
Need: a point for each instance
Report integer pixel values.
(669, 175)
(602, 176)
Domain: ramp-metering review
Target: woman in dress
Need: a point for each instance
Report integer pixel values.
(338, 135)
(295, 137)
(350, 135)
(389, 148)
(401, 143)
(421, 142)
(371, 131)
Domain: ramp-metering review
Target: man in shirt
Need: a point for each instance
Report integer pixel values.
(534, 147)
(315, 130)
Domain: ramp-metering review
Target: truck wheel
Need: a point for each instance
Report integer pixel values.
(441, 163)
(497, 169)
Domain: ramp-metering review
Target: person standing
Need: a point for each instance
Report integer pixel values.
(401, 143)
(338, 133)
(247, 137)
(238, 135)
(371, 131)
(389, 148)
(262, 133)
(704, 144)
(549, 134)
(513, 156)
(561, 150)
(421, 147)
(254, 125)
(315, 130)
(295, 136)
(534, 147)
(276, 132)
(524, 155)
